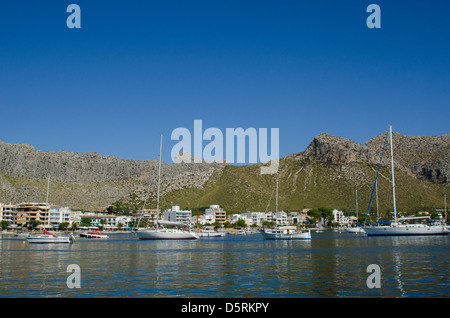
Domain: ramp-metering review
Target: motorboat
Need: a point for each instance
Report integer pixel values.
(48, 237)
(96, 235)
(286, 233)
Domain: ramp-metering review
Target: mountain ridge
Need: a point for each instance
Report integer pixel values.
(90, 181)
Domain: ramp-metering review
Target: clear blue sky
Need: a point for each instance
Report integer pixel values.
(139, 68)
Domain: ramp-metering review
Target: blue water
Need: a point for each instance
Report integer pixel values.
(331, 264)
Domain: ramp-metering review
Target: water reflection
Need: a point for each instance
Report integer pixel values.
(329, 265)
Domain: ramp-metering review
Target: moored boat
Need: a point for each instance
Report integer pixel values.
(96, 235)
(48, 237)
(286, 233)
(397, 228)
(210, 232)
(355, 229)
(164, 233)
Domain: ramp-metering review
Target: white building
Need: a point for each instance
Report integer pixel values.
(340, 218)
(281, 218)
(59, 215)
(254, 218)
(110, 221)
(124, 220)
(216, 213)
(175, 214)
(8, 212)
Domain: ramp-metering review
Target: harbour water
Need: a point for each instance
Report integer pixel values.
(331, 264)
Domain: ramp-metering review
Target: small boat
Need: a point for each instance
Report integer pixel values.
(48, 237)
(96, 235)
(286, 233)
(355, 229)
(23, 234)
(209, 231)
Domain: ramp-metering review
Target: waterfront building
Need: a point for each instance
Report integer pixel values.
(175, 214)
(124, 220)
(110, 221)
(281, 218)
(254, 218)
(146, 214)
(59, 215)
(218, 214)
(340, 218)
(8, 212)
(30, 211)
(233, 218)
(202, 219)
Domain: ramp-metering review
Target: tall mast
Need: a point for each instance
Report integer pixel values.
(392, 169)
(276, 200)
(445, 208)
(356, 198)
(48, 187)
(159, 176)
(48, 211)
(376, 195)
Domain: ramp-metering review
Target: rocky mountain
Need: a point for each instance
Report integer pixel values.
(88, 181)
(327, 172)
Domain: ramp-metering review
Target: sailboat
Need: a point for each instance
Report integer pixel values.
(164, 233)
(48, 237)
(400, 229)
(357, 229)
(284, 232)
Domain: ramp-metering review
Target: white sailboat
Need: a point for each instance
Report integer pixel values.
(357, 229)
(164, 233)
(48, 237)
(399, 229)
(284, 232)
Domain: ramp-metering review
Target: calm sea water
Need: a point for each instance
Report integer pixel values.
(330, 265)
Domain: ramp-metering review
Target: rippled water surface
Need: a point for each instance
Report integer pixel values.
(330, 265)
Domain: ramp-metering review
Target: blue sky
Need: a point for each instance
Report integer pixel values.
(136, 69)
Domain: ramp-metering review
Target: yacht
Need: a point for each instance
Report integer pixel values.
(48, 237)
(286, 233)
(96, 235)
(397, 228)
(164, 233)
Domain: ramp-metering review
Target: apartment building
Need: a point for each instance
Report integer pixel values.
(175, 214)
(218, 214)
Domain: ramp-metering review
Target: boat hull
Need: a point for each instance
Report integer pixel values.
(355, 230)
(285, 236)
(210, 234)
(166, 235)
(406, 230)
(92, 235)
(49, 240)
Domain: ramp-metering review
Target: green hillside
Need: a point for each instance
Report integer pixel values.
(304, 185)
